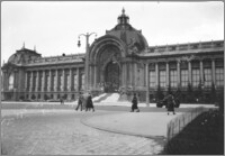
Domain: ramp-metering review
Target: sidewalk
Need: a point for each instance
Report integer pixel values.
(142, 124)
(127, 104)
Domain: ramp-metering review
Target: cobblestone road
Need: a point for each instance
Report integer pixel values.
(64, 134)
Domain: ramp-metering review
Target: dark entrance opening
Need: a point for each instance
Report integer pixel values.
(112, 81)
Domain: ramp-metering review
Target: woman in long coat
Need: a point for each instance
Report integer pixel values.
(134, 104)
(89, 104)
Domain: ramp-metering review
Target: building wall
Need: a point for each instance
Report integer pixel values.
(63, 77)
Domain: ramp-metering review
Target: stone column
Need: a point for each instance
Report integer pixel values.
(90, 77)
(125, 76)
(43, 81)
(95, 76)
(5, 81)
(167, 75)
(135, 75)
(189, 72)
(157, 75)
(78, 80)
(31, 81)
(131, 75)
(71, 80)
(147, 83)
(178, 74)
(37, 81)
(213, 73)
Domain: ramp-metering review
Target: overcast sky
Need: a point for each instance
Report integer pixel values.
(53, 27)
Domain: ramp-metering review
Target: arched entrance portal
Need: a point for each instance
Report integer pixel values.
(112, 81)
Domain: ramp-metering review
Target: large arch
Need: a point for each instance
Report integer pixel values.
(104, 42)
(103, 52)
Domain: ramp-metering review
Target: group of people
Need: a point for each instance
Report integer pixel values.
(85, 102)
(169, 99)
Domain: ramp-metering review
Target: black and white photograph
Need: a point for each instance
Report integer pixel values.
(112, 78)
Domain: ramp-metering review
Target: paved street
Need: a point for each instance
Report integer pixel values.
(54, 129)
(61, 132)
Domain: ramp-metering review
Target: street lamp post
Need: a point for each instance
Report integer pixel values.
(132, 55)
(87, 35)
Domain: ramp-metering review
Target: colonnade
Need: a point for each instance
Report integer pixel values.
(54, 80)
(212, 65)
(195, 71)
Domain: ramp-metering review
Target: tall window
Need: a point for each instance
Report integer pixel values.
(43, 79)
(207, 77)
(60, 81)
(11, 81)
(173, 78)
(82, 81)
(162, 75)
(48, 82)
(152, 76)
(34, 82)
(75, 81)
(173, 75)
(195, 74)
(56, 81)
(219, 73)
(40, 81)
(184, 74)
(28, 81)
(68, 82)
(53, 81)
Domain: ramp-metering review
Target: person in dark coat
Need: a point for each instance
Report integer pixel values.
(170, 101)
(134, 104)
(61, 101)
(80, 101)
(89, 105)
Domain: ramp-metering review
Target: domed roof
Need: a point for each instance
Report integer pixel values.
(22, 56)
(129, 35)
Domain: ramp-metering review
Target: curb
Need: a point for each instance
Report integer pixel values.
(87, 123)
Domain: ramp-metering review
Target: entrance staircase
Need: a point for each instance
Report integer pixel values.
(107, 97)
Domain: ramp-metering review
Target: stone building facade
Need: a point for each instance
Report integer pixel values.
(120, 61)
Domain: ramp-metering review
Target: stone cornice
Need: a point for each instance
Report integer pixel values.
(68, 59)
(184, 52)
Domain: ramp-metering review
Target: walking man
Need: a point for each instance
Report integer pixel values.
(61, 100)
(80, 101)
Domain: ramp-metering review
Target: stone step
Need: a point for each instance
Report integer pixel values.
(96, 99)
(114, 97)
(102, 97)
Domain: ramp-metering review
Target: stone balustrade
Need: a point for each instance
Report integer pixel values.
(186, 47)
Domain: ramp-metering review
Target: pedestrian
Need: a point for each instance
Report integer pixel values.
(170, 102)
(134, 104)
(61, 100)
(90, 105)
(80, 101)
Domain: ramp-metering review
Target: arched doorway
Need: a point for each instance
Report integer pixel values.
(112, 80)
